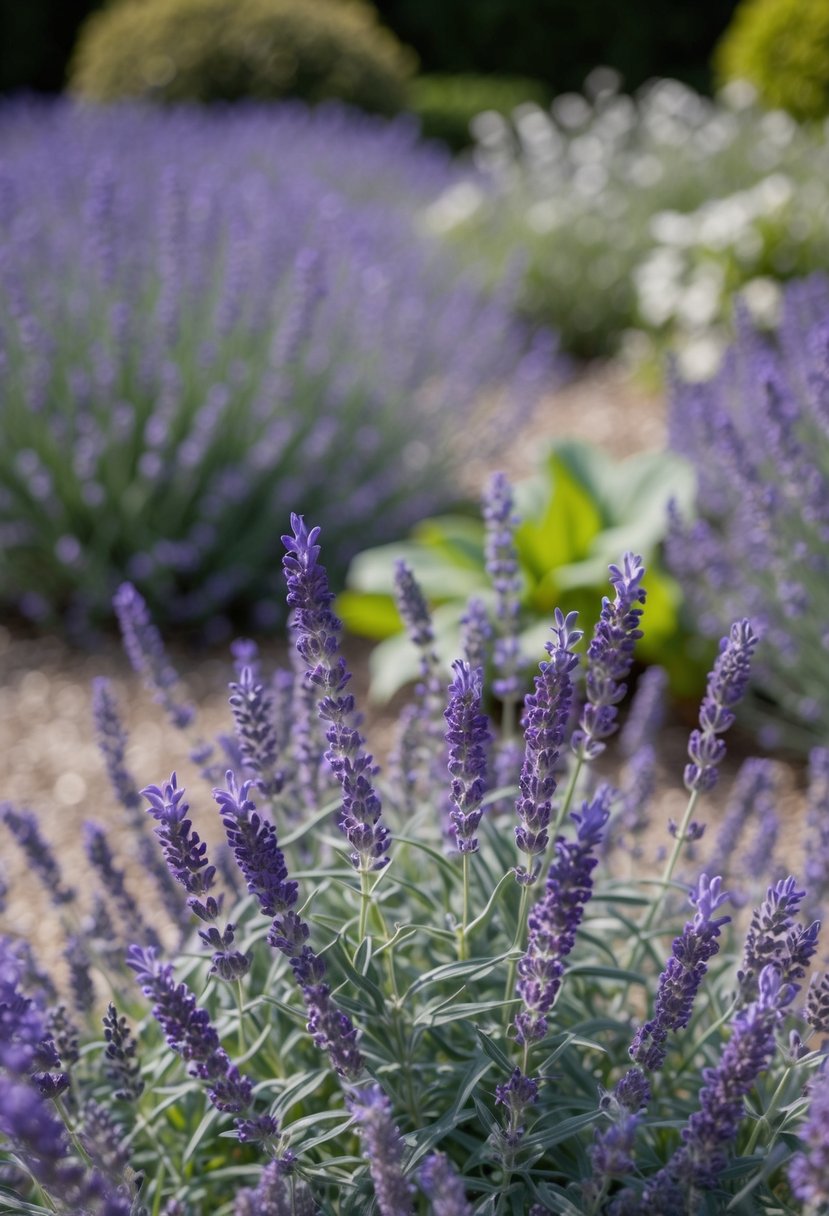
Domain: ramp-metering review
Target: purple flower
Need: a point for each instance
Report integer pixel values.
(122, 1068)
(384, 1149)
(809, 1169)
(112, 741)
(252, 708)
(502, 568)
(727, 684)
(274, 1195)
(752, 798)
(817, 1003)
(189, 1032)
(517, 1095)
(546, 715)
(145, 651)
(114, 881)
(422, 755)
(443, 1187)
(555, 918)
(476, 633)
(255, 847)
(318, 640)
(184, 851)
(647, 711)
(817, 829)
(467, 736)
(680, 981)
(637, 787)
(80, 978)
(24, 827)
(775, 937)
(609, 657)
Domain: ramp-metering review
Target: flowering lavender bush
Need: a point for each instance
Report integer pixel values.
(208, 318)
(760, 543)
(641, 216)
(415, 993)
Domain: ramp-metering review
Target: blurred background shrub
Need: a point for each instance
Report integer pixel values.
(224, 50)
(576, 515)
(642, 215)
(782, 48)
(211, 318)
(758, 436)
(447, 105)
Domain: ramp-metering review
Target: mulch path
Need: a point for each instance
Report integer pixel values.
(48, 758)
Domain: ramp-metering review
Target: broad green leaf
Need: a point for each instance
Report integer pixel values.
(368, 614)
(564, 530)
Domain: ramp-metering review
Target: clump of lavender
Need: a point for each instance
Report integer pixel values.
(148, 272)
(317, 641)
(609, 658)
(757, 438)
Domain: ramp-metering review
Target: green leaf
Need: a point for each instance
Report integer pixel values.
(368, 614)
(563, 530)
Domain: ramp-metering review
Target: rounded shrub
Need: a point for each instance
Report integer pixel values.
(782, 48)
(208, 317)
(223, 50)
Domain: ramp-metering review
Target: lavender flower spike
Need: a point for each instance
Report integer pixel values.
(254, 845)
(443, 1187)
(145, 650)
(609, 657)
(252, 708)
(189, 1032)
(318, 640)
(774, 936)
(809, 1170)
(546, 713)
(383, 1146)
(112, 742)
(467, 736)
(24, 827)
(555, 918)
(680, 981)
(114, 881)
(502, 568)
(727, 684)
(184, 852)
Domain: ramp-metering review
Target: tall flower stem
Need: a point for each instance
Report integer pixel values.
(463, 944)
(517, 944)
(569, 794)
(365, 905)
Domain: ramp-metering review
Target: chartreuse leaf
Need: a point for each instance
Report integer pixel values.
(563, 530)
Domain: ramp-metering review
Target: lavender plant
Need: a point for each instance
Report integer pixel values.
(206, 318)
(759, 544)
(389, 1022)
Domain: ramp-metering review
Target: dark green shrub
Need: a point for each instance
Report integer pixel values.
(223, 50)
(782, 48)
(446, 105)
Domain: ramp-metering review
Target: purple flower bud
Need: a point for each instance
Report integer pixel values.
(609, 657)
(546, 715)
(775, 937)
(680, 981)
(121, 1069)
(467, 736)
(318, 640)
(727, 684)
(145, 651)
(517, 1095)
(189, 1032)
(443, 1187)
(502, 568)
(255, 847)
(555, 918)
(384, 1149)
(184, 852)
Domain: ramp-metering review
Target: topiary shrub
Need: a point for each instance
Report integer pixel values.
(782, 48)
(223, 50)
(446, 105)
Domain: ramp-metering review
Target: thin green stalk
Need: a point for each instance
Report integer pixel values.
(240, 1003)
(517, 942)
(159, 1187)
(70, 1131)
(463, 945)
(365, 904)
(658, 904)
(771, 1109)
(564, 809)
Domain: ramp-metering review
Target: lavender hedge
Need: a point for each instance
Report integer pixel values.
(208, 318)
(758, 437)
(451, 989)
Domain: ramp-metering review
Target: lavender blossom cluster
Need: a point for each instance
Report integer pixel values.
(759, 545)
(372, 1014)
(208, 319)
